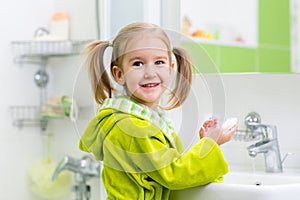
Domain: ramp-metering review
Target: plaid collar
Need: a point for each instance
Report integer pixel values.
(123, 103)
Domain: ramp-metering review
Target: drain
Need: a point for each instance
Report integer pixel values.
(257, 183)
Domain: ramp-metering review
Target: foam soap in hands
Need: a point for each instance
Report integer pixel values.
(229, 124)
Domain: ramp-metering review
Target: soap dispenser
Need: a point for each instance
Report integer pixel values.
(59, 27)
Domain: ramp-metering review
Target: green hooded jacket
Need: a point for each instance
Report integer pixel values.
(143, 157)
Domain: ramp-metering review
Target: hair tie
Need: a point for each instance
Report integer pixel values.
(110, 43)
(171, 48)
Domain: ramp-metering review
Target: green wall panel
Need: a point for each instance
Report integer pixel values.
(237, 59)
(203, 59)
(274, 22)
(212, 51)
(274, 60)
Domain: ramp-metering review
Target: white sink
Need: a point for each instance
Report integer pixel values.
(246, 186)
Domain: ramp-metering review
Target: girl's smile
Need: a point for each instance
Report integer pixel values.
(145, 70)
(150, 85)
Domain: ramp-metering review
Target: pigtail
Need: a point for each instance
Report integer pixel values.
(100, 81)
(183, 78)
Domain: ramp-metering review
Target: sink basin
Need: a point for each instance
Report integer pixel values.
(246, 186)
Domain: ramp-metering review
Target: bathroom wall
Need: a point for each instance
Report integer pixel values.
(274, 96)
(21, 148)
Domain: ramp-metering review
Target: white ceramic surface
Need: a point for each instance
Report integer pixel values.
(246, 186)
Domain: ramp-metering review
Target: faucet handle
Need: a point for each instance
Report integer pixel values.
(252, 120)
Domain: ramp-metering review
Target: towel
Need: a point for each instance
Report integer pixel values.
(57, 106)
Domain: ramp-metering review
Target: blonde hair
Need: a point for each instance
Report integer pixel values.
(100, 80)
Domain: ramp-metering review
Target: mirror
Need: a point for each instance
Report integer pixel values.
(243, 36)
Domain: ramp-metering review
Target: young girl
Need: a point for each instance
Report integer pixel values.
(143, 157)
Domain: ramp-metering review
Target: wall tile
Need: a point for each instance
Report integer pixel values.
(237, 59)
(274, 60)
(274, 22)
(201, 59)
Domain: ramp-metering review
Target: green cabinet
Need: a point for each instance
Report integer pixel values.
(272, 53)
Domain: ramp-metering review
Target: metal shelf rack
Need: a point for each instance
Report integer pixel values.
(37, 53)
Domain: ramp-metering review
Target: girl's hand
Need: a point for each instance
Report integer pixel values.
(212, 129)
(207, 125)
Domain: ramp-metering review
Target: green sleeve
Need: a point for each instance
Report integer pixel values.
(201, 164)
(140, 147)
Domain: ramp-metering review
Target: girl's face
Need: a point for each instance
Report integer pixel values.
(146, 70)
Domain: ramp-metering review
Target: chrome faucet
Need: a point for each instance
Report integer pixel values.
(84, 169)
(268, 145)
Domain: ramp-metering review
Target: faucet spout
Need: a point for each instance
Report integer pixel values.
(66, 163)
(83, 169)
(260, 147)
(270, 149)
(85, 166)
